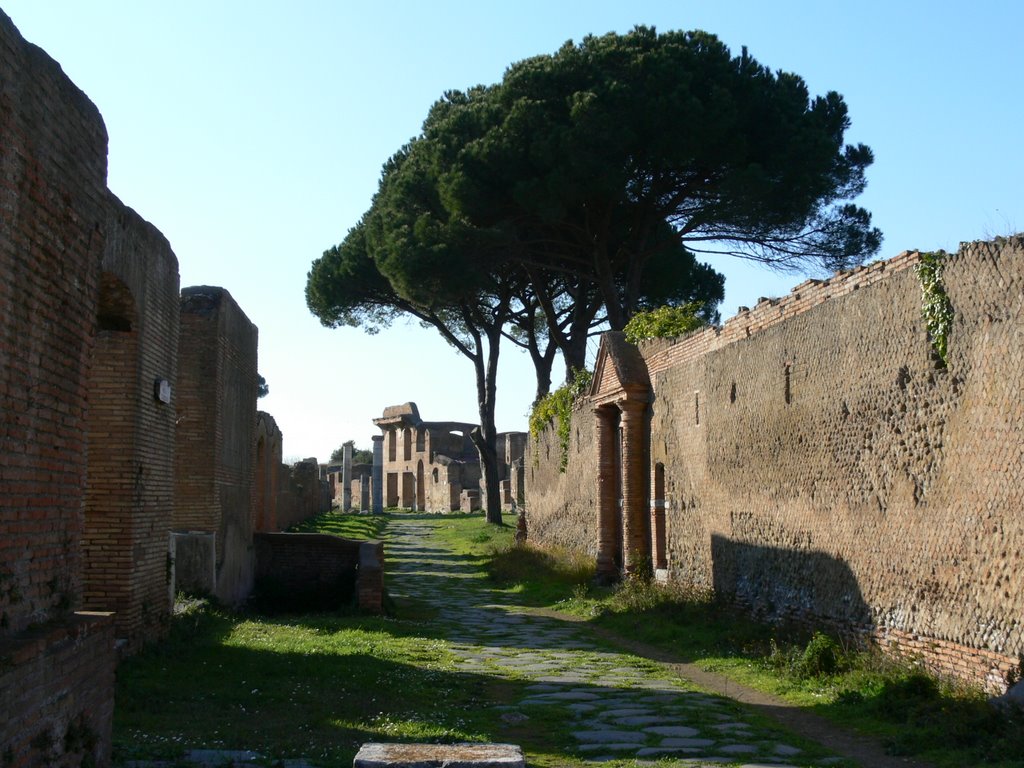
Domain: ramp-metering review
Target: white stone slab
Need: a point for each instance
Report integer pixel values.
(377, 755)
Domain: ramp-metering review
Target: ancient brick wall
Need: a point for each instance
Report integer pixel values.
(819, 464)
(57, 693)
(303, 494)
(267, 475)
(53, 153)
(216, 435)
(296, 570)
(562, 506)
(130, 488)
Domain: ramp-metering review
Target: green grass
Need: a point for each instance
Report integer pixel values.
(348, 525)
(912, 713)
(314, 686)
(318, 685)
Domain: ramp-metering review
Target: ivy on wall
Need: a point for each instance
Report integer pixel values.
(556, 407)
(935, 305)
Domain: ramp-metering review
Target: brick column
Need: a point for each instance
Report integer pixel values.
(636, 528)
(607, 492)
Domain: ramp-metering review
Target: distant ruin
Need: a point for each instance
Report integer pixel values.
(433, 465)
(815, 459)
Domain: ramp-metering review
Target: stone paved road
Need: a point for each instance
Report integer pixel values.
(620, 707)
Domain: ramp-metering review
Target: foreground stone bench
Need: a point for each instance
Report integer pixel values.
(375, 755)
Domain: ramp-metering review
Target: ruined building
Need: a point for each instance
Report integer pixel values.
(816, 459)
(433, 465)
(427, 464)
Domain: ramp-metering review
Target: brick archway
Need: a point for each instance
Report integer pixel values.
(621, 397)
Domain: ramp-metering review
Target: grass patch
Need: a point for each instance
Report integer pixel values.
(348, 525)
(314, 686)
(541, 577)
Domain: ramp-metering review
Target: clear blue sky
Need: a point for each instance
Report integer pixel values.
(252, 134)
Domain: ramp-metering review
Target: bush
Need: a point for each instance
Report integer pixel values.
(664, 322)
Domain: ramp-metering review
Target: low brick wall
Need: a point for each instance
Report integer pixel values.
(57, 693)
(316, 570)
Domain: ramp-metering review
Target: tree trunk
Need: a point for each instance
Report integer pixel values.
(542, 367)
(485, 436)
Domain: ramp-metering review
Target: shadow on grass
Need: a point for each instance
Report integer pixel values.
(321, 686)
(316, 687)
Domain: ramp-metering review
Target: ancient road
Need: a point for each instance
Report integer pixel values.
(617, 705)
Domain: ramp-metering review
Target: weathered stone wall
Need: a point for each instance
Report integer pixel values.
(561, 507)
(216, 435)
(130, 488)
(819, 464)
(53, 159)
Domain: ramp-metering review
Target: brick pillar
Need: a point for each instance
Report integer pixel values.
(636, 523)
(378, 474)
(608, 542)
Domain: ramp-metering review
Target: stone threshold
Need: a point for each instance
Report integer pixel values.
(378, 755)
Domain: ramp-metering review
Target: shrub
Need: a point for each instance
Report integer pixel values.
(664, 322)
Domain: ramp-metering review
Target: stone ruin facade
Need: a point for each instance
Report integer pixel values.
(433, 466)
(129, 425)
(814, 460)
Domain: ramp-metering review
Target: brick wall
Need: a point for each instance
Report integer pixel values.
(53, 152)
(300, 570)
(216, 434)
(267, 476)
(57, 694)
(130, 488)
(303, 494)
(818, 464)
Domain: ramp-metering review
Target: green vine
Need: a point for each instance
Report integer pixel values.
(935, 306)
(557, 407)
(664, 322)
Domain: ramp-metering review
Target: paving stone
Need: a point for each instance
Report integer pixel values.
(582, 708)
(610, 737)
(731, 727)
(679, 742)
(786, 751)
(679, 731)
(643, 720)
(738, 749)
(627, 712)
(572, 696)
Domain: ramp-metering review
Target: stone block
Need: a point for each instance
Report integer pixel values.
(377, 755)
